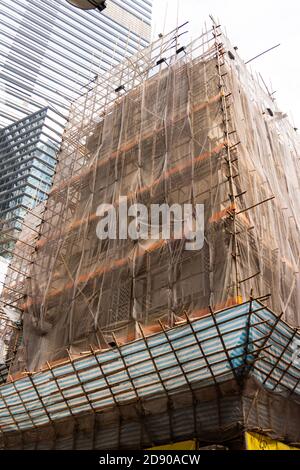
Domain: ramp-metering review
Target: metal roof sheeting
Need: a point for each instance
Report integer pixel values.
(256, 342)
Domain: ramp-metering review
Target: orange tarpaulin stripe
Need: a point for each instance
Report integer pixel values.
(118, 263)
(93, 274)
(131, 144)
(221, 214)
(114, 264)
(98, 272)
(175, 170)
(194, 315)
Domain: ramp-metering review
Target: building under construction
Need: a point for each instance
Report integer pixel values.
(133, 344)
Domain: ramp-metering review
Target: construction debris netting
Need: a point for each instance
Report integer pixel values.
(10, 327)
(191, 126)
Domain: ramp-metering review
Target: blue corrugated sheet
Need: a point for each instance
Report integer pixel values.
(243, 340)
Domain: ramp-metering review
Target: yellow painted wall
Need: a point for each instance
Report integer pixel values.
(185, 445)
(256, 441)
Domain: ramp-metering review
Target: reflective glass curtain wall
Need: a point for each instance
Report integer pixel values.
(50, 51)
(27, 163)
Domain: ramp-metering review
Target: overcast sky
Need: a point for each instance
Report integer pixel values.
(253, 26)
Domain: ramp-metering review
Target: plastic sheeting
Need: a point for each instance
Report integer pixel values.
(193, 127)
(210, 379)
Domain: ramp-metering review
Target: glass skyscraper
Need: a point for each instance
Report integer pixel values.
(50, 53)
(50, 50)
(27, 164)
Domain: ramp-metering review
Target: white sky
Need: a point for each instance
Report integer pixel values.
(253, 26)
